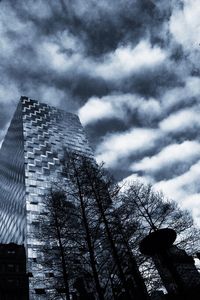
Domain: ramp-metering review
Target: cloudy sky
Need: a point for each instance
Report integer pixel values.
(128, 68)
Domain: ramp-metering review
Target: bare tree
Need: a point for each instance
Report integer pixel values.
(99, 189)
(54, 229)
(153, 211)
(69, 229)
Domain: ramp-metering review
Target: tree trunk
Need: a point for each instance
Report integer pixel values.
(89, 243)
(111, 240)
(63, 263)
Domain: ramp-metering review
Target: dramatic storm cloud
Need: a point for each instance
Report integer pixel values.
(128, 68)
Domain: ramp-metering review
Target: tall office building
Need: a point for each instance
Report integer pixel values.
(29, 157)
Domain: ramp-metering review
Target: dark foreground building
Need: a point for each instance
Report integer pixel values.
(176, 268)
(13, 276)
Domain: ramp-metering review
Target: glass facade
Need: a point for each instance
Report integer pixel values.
(12, 183)
(30, 158)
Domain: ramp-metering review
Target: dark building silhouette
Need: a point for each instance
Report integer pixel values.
(176, 268)
(13, 277)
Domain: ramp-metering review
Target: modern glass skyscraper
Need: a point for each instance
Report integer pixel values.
(29, 157)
